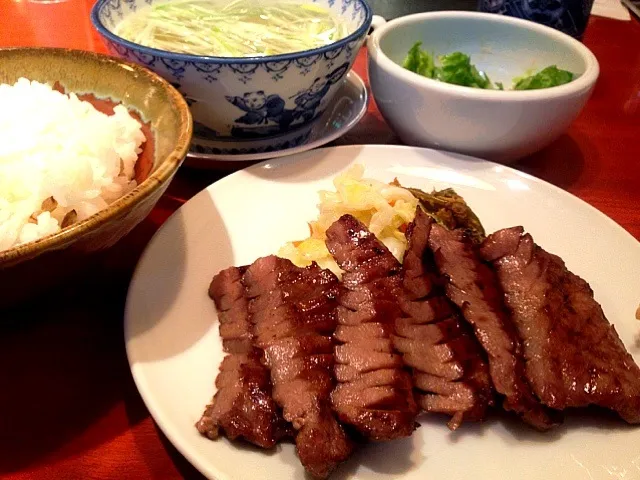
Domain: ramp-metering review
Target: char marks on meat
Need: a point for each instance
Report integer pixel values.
(474, 288)
(242, 406)
(374, 392)
(449, 368)
(293, 311)
(574, 355)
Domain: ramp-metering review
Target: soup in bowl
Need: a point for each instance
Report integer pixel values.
(250, 71)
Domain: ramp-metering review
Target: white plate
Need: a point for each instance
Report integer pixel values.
(174, 349)
(343, 113)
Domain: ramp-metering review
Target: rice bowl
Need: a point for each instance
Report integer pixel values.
(61, 160)
(34, 267)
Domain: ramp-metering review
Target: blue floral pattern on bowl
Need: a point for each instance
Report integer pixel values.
(247, 98)
(271, 111)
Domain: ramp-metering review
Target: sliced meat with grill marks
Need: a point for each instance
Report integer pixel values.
(359, 335)
(427, 309)
(450, 372)
(431, 333)
(374, 392)
(574, 356)
(474, 288)
(227, 292)
(455, 398)
(242, 406)
(293, 313)
(362, 332)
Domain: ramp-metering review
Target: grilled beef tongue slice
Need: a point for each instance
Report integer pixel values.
(573, 355)
(450, 371)
(374, 391)
(242, 406)
(474, 288)
(293, 311)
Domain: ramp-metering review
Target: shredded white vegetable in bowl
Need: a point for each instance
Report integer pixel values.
(385, 209)
(241, 28)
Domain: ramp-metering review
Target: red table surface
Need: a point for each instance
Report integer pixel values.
(68, 406)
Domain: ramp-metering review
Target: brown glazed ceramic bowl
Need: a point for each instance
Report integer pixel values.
(31, 268)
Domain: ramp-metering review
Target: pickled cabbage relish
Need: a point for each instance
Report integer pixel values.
(385, 209)
(61, 160)
(240, 28)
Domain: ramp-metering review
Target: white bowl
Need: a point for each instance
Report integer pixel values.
(498, 125)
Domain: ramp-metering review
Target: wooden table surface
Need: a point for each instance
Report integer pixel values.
(68, 406)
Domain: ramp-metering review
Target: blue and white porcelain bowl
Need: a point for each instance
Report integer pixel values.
(258, 100)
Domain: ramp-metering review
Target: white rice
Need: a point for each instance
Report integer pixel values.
(55, 146)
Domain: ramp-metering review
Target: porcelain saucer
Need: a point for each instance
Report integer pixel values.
(342, 114)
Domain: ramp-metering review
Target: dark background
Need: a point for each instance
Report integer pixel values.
(395, 8)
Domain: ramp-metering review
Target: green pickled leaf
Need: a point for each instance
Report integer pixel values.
(450, 210)
(549, 77)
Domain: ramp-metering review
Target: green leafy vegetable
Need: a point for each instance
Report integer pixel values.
(549, 77)
(457, 69)
(419, 61)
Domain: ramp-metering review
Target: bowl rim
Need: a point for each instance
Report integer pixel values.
(581, 84)
(163, 173)
(360, 32)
